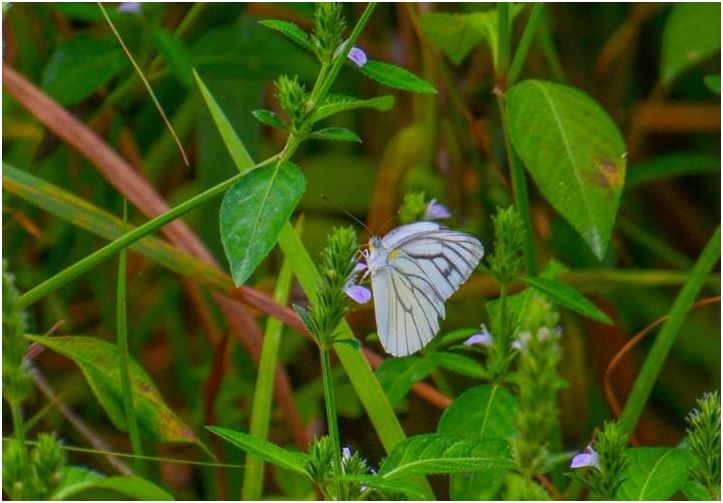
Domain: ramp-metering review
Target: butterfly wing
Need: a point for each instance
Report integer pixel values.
(427, 263)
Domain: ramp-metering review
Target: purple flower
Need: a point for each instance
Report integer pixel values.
(436, 211)
(346, 453)
(130, 7)
(357, 293)
(484, 338)
(358, 56)
(586, 458)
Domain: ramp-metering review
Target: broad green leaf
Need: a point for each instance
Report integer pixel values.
(270, 452)
(458, 363)
(567, 296)
(253, 212)
(390, 486)
(291, 30)
(713, 83)
(670, 165)
(335, 133)
(398, 375)
(98, 360)
(79, 483)
(487, 411)
(395, 76)
(79, 66)
(269, 118)
(573, 151)
(175, 54)
(437, 453)
(695, 491)
(335, 104)
(654, 473)
(691, 35)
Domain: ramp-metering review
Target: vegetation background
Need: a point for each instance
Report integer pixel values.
(449, 144)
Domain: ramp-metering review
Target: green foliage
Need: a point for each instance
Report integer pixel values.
(270, 119)
(412, 207)
(610, 445)
(703, 439)
(398, 375)
(82, 484)
(99, 362)
(291, 30)
(396, 77)
(253, 211)
(508, 260)
(292, 98)
(335, 104)
(568, 297)
(574, 152)
(14, 345)
(329, 26)
(335, 134)
(36, 476)
(653, 473)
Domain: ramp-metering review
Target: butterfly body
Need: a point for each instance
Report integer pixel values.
(414, 269)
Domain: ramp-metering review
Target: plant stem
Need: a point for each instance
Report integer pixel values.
(527, 36)
(123, 355)
(19, 428)
(331, 420)
(92, 260)
(663, 343)
(502, 60)
(519, 190)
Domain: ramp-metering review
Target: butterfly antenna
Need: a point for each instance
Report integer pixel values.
(339, 207)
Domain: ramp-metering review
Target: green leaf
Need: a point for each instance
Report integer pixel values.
(437, 453)
(695, 491)
(670, 165)
(488, 411)
(567, 296)
(335, 104)
(654, 473)
(398, 375)
(691, 35)
(335, 133)
(713, 83)
(460, 364)
(272, 453)
(291, 30)
(253, 212)
(175, 54)
(98, 360)
(455, 34)
(390, 486)
(79, 483)
(269, 118)
(79, 66)
(395, 76)
(574, 152)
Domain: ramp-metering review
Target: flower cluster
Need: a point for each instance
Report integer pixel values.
(607, 460)
(703, 438)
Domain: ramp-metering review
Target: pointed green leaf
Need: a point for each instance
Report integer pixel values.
(574, 152)
(398, 375)
(672, 164)
(335, 104)
(395, 76)
(270, 452)
(291, 30)
(82, 484)
(567, 296)
(175, 54)
(654, 473)
(390, 486)
(460, 364)
(269, 118)
(691, 35)
(335, 133)
(713, 83)
(437, 453)
(98, 360)
(253, 212)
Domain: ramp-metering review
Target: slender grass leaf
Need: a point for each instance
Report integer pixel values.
(654, 473)
(567, 296)
(573, 151)
(713, 83)
(335, 104)
(670, 165)
(396, 77)
(457, 363)
(691, 35)
(335, 133)
(175, 54)
(398, 375)
(270, 452)
(253, 212)
(269, 118)
(82, 484)
(438, 453)
(79, 66)
(98, 360)
(291, 30)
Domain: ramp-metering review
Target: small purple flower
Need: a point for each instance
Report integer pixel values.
(484, 338)
(586, 458)
(130, 7)
(358, 56)
(357, 293)
(436, 211)
(346, 453)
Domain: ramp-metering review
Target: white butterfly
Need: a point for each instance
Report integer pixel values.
(414, 269)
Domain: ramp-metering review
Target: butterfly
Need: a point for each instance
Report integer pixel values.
(414, 269)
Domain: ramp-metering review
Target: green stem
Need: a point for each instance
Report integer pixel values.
(92, 260)
(525, 42)
(19, 428)
(124, 357)
(331, 420)
(503, 41)
(264, 391)
(663, 343)
(519, 191)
